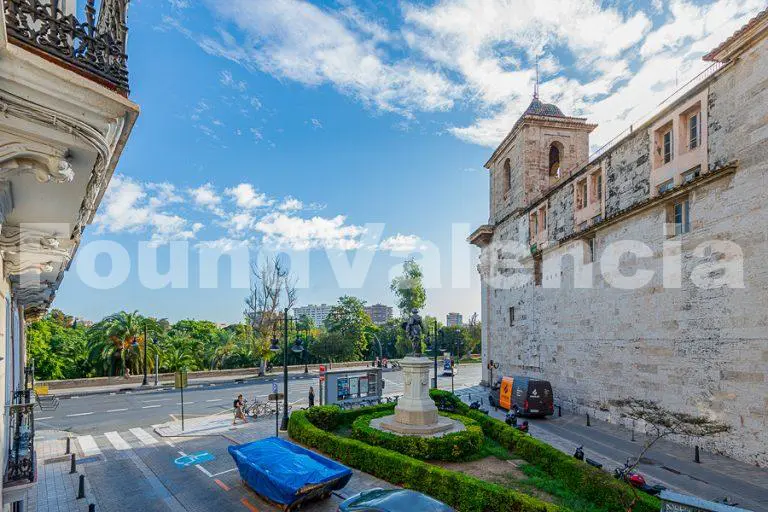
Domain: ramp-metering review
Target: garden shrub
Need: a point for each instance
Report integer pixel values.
(465, 493)
(451, 447)
(587, 482)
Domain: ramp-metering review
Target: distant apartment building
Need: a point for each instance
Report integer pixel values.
(454, 319)
(379, 313)
(314, 311)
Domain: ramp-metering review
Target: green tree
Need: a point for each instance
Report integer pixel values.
(58, 348)
(409, 288)
(332, 347)
(179, 354)
(349, 321)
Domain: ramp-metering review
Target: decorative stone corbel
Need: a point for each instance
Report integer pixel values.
(46, 163)
(17, 244)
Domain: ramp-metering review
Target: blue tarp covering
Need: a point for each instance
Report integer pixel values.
(282, 471)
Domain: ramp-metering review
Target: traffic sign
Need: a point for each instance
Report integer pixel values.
(274, 387)
(322, 370)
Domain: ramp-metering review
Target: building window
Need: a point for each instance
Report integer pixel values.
(581, 194)
(537, 273)
(507, 176)
(692, 174)
(511, 316)
(591, 250)
(666, 186)
(554, 160)
(678, 215)
(693, 131)
(534, 224)
(667, 145)
(600, 187)
(543, 223)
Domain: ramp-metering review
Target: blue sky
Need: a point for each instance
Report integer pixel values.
(339, 129)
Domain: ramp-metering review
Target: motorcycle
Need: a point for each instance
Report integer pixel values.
(579, 455)
(476, 406)
(636, 480)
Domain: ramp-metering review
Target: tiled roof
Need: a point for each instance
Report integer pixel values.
(537, 108)
(749, 25)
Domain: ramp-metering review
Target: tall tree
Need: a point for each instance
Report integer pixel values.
(408, 287)
(273, 289)
(349, 321)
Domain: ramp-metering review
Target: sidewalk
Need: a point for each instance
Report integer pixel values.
(668, 463)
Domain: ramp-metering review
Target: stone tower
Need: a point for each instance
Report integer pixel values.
(544, 147)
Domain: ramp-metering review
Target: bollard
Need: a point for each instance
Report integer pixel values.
(69, 445)
(559, 411)
(72, 465)
(92, 507)
(696, 455)
(81, 488)
(588, 420)
(633, 434)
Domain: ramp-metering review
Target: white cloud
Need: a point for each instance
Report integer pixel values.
(257, 135)
(286, 231)
(316, 124)
(128, 208)
(246, 196)
(205, 196)
(296, 40)
(223, 245)
(402, 243)
(179, 4)
(290, 204)
(227, 80)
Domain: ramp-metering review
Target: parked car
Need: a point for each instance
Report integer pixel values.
(530, 397)
(392, 500)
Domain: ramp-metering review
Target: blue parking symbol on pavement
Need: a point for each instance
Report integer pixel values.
(274, 387)
(194, 458)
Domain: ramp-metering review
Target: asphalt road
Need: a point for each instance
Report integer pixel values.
(94, 414)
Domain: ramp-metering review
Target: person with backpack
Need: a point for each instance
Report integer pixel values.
(239, 405)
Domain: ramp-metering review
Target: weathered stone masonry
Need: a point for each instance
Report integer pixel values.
(697, 349)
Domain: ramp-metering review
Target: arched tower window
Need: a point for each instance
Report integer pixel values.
(507, 178)
(554, 159)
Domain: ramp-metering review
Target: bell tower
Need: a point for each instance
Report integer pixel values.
(544, 147)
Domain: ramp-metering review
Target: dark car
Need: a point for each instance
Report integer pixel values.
(533, 397)
(392, 500)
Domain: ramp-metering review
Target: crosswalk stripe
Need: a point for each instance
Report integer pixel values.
(118, 442)
(88, 445)
(143, 436)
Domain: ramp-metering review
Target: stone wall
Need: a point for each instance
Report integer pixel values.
(704, 351)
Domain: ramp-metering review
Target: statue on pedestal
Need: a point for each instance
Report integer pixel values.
(414, 327)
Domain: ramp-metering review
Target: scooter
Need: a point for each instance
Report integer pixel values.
(476, 406)
(636, 480)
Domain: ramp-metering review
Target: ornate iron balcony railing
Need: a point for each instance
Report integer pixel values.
(95, 47)
(21, 452)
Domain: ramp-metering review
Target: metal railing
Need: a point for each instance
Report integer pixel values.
(96, 46)
(21, 452)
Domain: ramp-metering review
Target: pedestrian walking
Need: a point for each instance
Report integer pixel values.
(311, 396)
(239, 404)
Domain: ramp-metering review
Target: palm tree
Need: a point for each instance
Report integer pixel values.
(121, 337)
(179, 355)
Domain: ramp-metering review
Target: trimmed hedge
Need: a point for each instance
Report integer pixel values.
(589, 483)
(465, 493)
(451, 447)
(331, 417)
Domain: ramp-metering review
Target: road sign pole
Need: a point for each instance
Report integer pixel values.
(182, 407)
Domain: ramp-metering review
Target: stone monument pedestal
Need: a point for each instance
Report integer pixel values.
(416, 413)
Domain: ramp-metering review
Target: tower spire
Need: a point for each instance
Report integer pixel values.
(536, 85)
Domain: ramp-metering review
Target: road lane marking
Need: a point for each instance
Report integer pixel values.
(185, 403)
(156, 400)
(79, 414)
(44, 418)
(221, 484)
(88, 445)
(223, 472)
(117, 410)
(205, 471)
(215, 400)
(143, 436)
(118, 442)
(150, 406)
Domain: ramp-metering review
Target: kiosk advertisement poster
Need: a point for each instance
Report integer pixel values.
(364, 391)
(342, 386)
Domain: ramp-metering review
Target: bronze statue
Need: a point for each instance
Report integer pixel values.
(414, 327)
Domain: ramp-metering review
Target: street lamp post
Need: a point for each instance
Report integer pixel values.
(144, 382)
(306, 346)
(284, 424)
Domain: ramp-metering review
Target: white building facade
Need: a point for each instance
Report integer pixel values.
(317, 312)
(66, 118)
(454, 320)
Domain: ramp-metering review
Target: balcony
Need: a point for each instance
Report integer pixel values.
(94, 48)
(20, 470)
